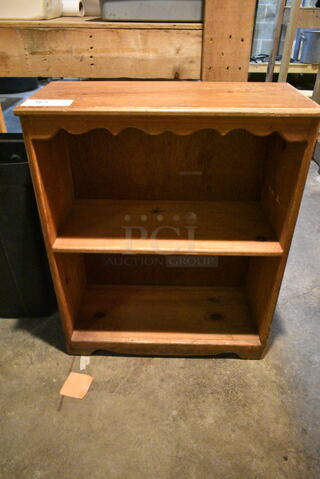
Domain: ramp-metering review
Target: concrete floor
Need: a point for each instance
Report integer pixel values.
(173, 418)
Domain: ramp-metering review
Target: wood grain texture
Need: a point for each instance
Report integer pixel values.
(283, 164)
(305, 68)
(72, 274)
(263, 289)
(249, 184)
(289, 127)
(48, 228)
(100, 52)
(288, 41)
(55, 180)
(316, 89)
(227, 36)
(109, 226)
(166, 98)
(203, 166)
(170, 270)
(265, 275)
(308, 17)
(276, 39)
(199, 319)
(94, 22)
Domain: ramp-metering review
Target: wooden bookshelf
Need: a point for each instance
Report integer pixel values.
(168, 209)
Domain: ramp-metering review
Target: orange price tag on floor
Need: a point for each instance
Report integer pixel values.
(76, 385)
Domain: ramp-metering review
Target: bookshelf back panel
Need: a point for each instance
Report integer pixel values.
(134, 165)
(183, 270)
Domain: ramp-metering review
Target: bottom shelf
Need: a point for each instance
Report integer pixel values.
(165, 320)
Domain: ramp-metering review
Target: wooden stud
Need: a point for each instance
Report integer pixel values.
(289, 39)
(276, 39)
(316, 89)
(227, 37)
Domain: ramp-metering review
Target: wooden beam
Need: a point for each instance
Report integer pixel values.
(316, 89)
(227, 37)
(92, 22)
(289, 38)
(96, 52)
(276, 39)
(308, 17)
(305, 68)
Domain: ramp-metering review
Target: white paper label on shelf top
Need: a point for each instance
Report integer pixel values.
(47, 103)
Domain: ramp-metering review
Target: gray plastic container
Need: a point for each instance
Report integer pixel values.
(152, 10)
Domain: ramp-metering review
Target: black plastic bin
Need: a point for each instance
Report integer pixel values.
(25, 283)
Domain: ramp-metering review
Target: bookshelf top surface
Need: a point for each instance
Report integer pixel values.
(169, 98)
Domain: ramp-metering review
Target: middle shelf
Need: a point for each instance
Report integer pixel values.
(167, 227)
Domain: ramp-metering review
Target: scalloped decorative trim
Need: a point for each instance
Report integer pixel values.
(291, 137)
